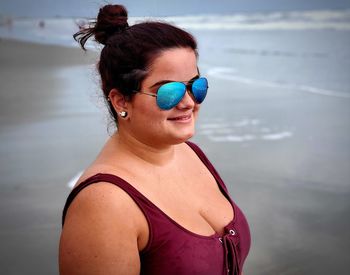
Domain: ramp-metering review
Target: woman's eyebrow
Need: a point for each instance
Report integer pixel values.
(161, 82)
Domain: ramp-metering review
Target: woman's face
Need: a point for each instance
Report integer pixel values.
(152, 125)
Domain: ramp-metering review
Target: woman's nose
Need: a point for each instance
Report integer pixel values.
(186, 102)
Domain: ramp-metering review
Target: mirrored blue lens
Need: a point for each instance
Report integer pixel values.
(170, 94)
(199, 89)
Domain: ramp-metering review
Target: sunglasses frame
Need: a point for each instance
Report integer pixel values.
(188, 88)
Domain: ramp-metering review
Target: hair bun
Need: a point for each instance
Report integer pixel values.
(111, 19)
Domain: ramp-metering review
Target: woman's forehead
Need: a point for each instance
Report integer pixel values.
(174, 64)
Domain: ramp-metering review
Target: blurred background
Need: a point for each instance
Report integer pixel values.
(275, 123)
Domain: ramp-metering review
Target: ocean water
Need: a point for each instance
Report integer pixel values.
(308, 51)
(314, 61)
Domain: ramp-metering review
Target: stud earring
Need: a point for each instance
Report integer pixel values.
(123, 114)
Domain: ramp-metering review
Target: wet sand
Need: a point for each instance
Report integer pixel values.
(45, 116)
(294, 190)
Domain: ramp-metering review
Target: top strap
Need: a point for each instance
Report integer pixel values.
(138, 197)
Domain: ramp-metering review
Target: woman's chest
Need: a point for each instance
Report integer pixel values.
(192, 199)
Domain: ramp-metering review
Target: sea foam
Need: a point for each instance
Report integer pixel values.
(298, 20)
(227, 73)
(60, 30)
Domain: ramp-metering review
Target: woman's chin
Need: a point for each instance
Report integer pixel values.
(183, 137)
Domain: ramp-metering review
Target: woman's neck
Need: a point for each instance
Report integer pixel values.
(155, 155)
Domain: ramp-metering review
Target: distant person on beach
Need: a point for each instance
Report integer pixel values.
(151, 202)
(41, 24)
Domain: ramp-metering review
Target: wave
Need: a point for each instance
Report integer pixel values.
(274, 52)
(71, 183)
(277, 136)
(243, 130)
(231, 75)
(247, 137)
(232, 138)
(297, 20)
(60, 30)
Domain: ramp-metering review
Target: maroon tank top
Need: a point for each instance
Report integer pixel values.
(172, 249)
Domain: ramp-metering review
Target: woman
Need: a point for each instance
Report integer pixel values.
(151, 202)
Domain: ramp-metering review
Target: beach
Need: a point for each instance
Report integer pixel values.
(45, 137)
(283, 151)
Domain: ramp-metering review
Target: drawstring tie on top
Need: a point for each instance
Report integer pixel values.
(230, 241)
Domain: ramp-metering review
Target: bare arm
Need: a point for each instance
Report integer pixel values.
(100, 233)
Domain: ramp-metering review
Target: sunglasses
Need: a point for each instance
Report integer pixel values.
(170, 94)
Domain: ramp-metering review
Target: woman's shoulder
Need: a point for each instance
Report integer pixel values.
(93, 170)
(98, 188)
(94, 192)
(101, 220)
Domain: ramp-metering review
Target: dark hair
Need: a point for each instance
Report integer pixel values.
(129, 50)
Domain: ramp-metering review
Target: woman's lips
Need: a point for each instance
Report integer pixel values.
(183, 118)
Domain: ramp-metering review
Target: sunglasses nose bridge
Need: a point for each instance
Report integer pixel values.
(189, 90)
(189, 87)
(188, 100)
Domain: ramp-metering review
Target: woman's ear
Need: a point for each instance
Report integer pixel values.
(118, 100)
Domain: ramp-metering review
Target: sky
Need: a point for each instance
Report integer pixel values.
(89, 8)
